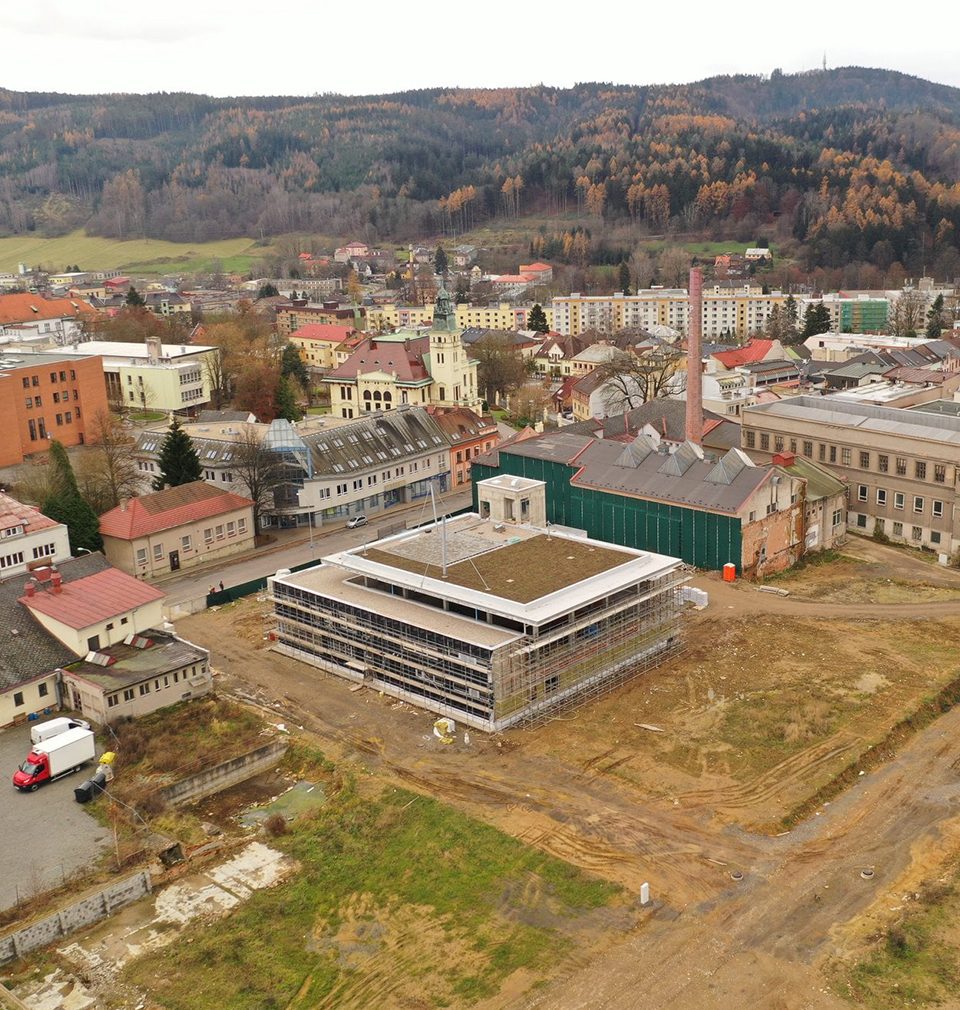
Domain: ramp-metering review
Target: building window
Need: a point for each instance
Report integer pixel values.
(833, 454)
(764, 441)
(861, 492)
(93, 643)
(208, 535)
(751, 439)
(110, 626)
(864, 460)
(242, 525)
(939, 473)
(862, 521)
(128, 694)
(921, 470)
(808, 448)
(793, 445)
(898, 499)
(937, 509)
(220, 531)
(43, 689)
(916, 533)
(917, 504)
(901, 465)
(845, 456)
(231, 529)
(883, 463)
(112, 700)
(837, 517)
(934, 536)
(18, 698)
(778, 443)
(898, 529)
(144, 689)
(26, 382)
(186, 543)
(881, 496)
(822, 452)
(158, 552)
(141, 555)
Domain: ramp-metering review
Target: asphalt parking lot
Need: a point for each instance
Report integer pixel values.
(44, 836)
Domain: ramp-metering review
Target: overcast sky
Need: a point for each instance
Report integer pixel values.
(241, 48)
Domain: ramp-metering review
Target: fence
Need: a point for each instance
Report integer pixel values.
(85, 911)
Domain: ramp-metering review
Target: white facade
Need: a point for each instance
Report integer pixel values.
(27, 537)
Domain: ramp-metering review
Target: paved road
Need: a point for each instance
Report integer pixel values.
(301, 547)
(44, 836)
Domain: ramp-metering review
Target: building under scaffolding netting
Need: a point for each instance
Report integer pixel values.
(493, 620)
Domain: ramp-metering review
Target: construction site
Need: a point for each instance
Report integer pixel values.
(492, 621)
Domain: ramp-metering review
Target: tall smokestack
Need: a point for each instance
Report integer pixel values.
(694, 425)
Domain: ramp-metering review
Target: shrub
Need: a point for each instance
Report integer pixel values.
(275, 825)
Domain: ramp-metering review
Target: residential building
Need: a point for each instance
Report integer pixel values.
(179, 527)
(48, 395)
(491, 621)
(502, 316)
(30, 657)
(824, 501)
(855, 313)
(136, 676)
(28, 539)
(591, 356)
(541, 273)
(174, 378)
(28, 318)
(740, 312)
(709, 512)
(756, 255)
(751, 352)
(468, 434)
(406, 368)
(556, 353)
(463, 255)
(351, 251)
(317, 344)
(595, 394)
(292, 315)
(901, 466)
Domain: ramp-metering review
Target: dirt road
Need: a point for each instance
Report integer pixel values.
(715, 942)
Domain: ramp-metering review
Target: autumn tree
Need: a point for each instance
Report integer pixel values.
(354, 287)
(255, 390)
(500, 365)
(908, 314)
(261, 470)
(179, 462)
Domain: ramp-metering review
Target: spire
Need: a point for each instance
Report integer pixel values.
(444, 314)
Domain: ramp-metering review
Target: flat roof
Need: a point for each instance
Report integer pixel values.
(117, 349)
(846, 414)
(521, 572)
(949, 408)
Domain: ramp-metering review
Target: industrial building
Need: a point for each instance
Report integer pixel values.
(491, 619)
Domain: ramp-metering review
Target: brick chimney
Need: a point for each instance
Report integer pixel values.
(694, 418)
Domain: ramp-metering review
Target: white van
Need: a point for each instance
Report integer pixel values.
(54, 727)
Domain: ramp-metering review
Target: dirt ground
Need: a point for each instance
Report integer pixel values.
(773, 696)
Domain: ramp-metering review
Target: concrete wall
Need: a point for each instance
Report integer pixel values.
(91, 908)
(222, 776)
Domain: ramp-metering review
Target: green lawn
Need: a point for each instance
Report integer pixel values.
(399, 897)
(90, 252)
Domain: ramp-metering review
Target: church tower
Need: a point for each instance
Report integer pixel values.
(454, 374)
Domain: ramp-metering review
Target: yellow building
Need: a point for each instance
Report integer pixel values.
(319, 343)
(504, 316)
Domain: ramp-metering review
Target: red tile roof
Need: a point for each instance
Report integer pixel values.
(23, 308)
(403, 358)
(753, 350)
(85, 602)
(324, 331)
(164, 510)
(14, 513)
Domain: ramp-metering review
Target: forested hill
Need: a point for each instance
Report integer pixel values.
(842, 160)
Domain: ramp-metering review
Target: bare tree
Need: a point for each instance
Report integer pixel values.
(261, 469)
(909, 313)
(107, 472)
(631, 380)
(673, 266)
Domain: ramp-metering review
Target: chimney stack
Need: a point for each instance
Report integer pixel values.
(694, 420)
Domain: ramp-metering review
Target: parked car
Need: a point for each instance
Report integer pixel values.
(356, 521)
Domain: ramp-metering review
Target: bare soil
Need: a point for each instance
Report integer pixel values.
(773, 697)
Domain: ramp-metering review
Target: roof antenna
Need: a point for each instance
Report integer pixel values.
(824, 61)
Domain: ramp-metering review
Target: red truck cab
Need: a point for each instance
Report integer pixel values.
(34, 771)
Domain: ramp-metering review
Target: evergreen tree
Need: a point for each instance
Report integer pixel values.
(537, 320)
(440, 261)
(935, 319)
(790, 316)
(134, 299)
(624, 279)
(66, 505)
(179, 463)
(462, 294)
(291, 364)
(286, 402)
(267, 291)
(815, 320)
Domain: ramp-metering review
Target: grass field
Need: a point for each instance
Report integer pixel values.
(399, 901)
(146, 256)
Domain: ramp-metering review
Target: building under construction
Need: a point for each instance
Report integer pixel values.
(493, 618)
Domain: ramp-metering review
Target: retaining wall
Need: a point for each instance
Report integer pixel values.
(222, 776)
(87, 910)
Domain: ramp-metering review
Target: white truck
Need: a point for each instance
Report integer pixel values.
(53, 727)
(60, 755)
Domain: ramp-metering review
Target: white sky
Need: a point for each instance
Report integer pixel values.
(236, 47)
